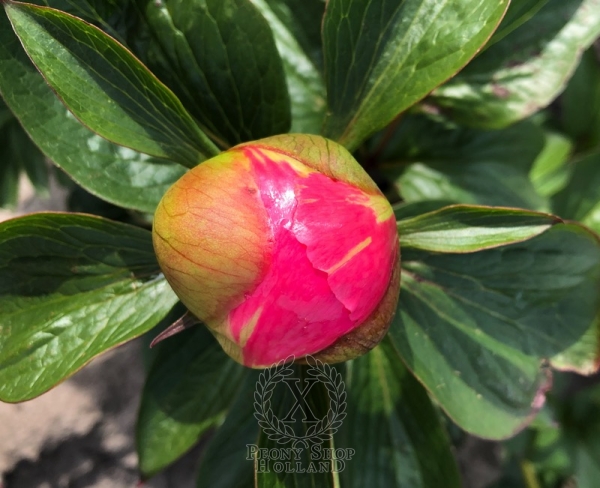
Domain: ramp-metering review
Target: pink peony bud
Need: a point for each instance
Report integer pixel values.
(283, 246)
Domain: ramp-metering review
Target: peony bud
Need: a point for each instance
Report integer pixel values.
(282, 246)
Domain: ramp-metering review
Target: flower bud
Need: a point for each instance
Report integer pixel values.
(282, 247)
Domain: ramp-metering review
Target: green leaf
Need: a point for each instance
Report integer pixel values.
(526, 70)
(303, 18)
(465, 228)
(28, 157)
(580, 103)
(223, 64)
(588, 465)
(113, 16)
(580, 198)
(71, 287)
(404, 211)
(18, 154)
(122, 101)
(476, 329)
(226, 462)
(519, 12)
(188, 390)
(10, 170)
(5, 114)
(584, 429)
(311, 467)
(582, 357)
(435, 161)
(305, 83)
(550, 173)
(394, 428)
(116, 174)
(381, 57)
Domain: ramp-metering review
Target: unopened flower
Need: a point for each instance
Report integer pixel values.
(283, 246)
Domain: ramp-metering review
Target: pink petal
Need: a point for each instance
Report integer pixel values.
(331, 263)
(339, 227)
(293, 311)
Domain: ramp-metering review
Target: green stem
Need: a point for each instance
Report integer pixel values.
(529, 475)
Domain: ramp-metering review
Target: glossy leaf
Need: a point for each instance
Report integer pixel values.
(71, 287)
(226, 462)
(189, 389)
(303, 18)
(580, 103)
(433, 161)
(106, 87)
(464, 228)
(112, 16)
(393, 427)
(116, 174)
(519, 12)
(305, 83)
(381, 57)
(526, 70)
(222, 62)
(476, 329)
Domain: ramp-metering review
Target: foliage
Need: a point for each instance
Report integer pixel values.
(479, 119)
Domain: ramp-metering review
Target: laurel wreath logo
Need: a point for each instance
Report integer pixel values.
(281, 432)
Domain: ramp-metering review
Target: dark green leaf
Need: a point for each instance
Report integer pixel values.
(223, 64)
(404, 211)
(465, 228)
(106, 87)
(381, 56)
(580, 103)
(71, 287)
(149, 354)
(588, 465)
(29, 158)
(475, 328)
(580, 199)
(18, 154)
(305, 83)
(519, 12)
(188, 390)
(10, 169)
(526, 70)
(583, 427)
(226, 463)
(583, 356)
(5, 114)
(112, 16)
(114, 173)
(434, 161)
(394, 428)
(311, 467)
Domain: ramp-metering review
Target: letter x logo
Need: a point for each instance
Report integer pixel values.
(294, 384)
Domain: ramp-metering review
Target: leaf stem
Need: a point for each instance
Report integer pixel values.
(529, 475)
